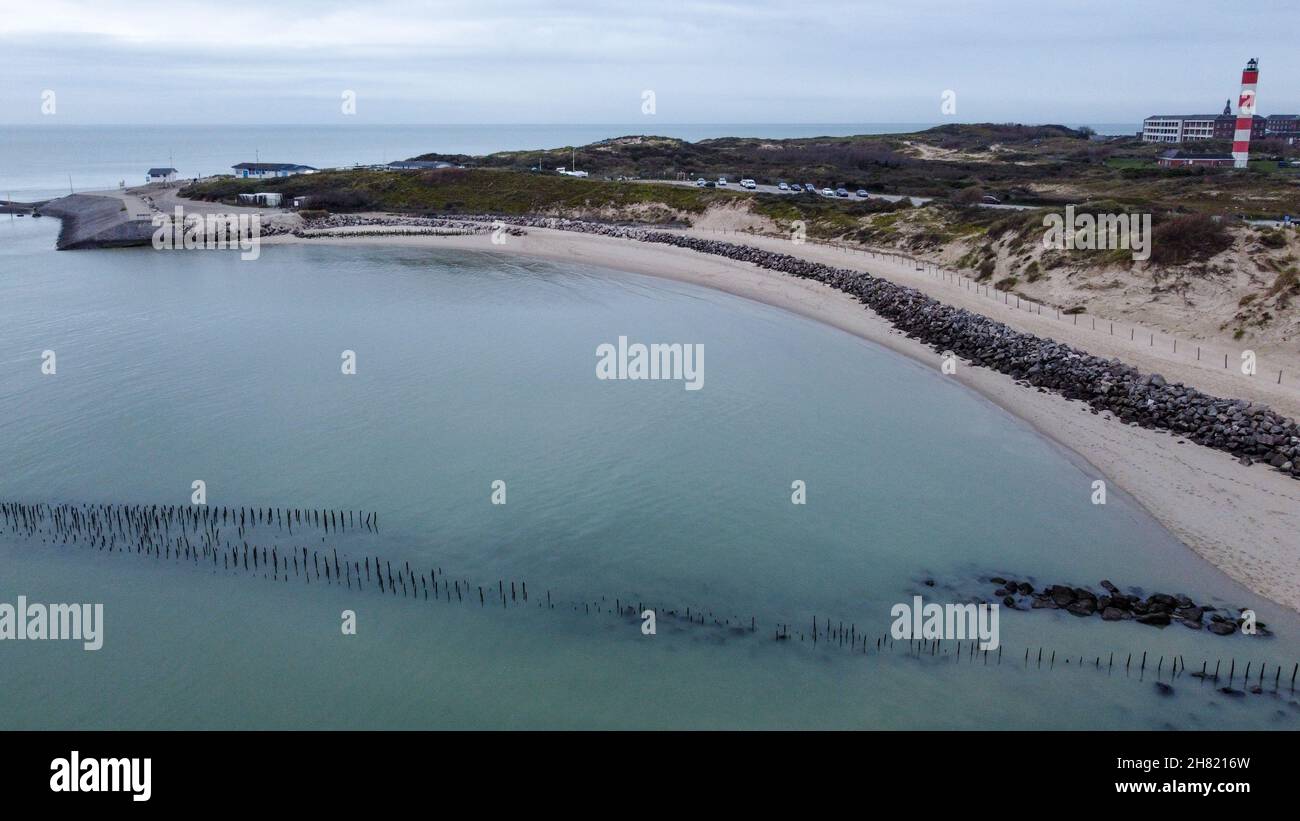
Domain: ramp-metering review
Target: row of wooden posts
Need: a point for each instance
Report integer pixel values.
(163, 532)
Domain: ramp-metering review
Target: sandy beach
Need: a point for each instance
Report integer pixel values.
(1242, 519)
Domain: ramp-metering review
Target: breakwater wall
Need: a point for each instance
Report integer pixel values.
(89, 221)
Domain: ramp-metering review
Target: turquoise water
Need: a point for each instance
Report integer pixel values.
(473, 367)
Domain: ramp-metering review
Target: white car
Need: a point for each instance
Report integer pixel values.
(782, 186)
(701, 182)
(827, 192)
(722, 180)
(748, 184)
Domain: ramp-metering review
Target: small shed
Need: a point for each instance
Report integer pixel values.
(270, 199)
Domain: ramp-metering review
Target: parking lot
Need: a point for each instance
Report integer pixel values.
(733, 184)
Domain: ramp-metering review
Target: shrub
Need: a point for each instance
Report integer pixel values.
(1272, 239)
(1195, 237)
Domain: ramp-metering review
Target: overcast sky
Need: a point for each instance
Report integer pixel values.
(589, 61)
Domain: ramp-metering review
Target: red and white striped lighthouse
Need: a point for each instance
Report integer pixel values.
(1245, 114)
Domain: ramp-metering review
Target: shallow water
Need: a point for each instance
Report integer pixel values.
(474, 367)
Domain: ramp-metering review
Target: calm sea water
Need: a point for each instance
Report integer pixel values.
(42, 161)
(473, 367)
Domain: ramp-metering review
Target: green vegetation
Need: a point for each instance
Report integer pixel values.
(477, 191)
(826, 218)
(1189, 238)
(1027, 165)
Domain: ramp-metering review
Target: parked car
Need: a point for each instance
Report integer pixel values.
(809, 187)
(722, 181)
(782, 186)
(826, 192)
(701, 182)
(841, 192)
(863, 193)
(748, 184)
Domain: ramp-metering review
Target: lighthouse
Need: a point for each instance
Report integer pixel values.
(1245, 114)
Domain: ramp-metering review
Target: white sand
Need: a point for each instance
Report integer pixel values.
(1244, 520)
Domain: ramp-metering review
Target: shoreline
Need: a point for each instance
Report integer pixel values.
(1240, 519)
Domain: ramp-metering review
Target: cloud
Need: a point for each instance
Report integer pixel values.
(588, 61)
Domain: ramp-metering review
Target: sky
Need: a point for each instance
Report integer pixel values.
(593, 61)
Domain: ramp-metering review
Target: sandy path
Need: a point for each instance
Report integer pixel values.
(1244, 520)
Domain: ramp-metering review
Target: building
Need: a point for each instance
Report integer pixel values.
(1283, 127)
(270, 199)
(418, 165)
(262, 170)
(1177, 128)
(1241, 129)
(160, 175)
(1182, 159)
(1225, 127)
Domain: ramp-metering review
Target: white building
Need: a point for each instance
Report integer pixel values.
(1177, 128)
(269, 199)
(263, 170)
(160, 175)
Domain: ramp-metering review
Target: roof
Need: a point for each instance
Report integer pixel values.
(1284, 116)
(161, 172)
(273, 166)
(1219, 116)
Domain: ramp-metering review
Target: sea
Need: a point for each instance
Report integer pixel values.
(42, 161)
(624, 554)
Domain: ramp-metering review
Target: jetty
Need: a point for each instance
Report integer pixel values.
(93, 221)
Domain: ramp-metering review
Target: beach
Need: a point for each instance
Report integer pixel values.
(1241, 519)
